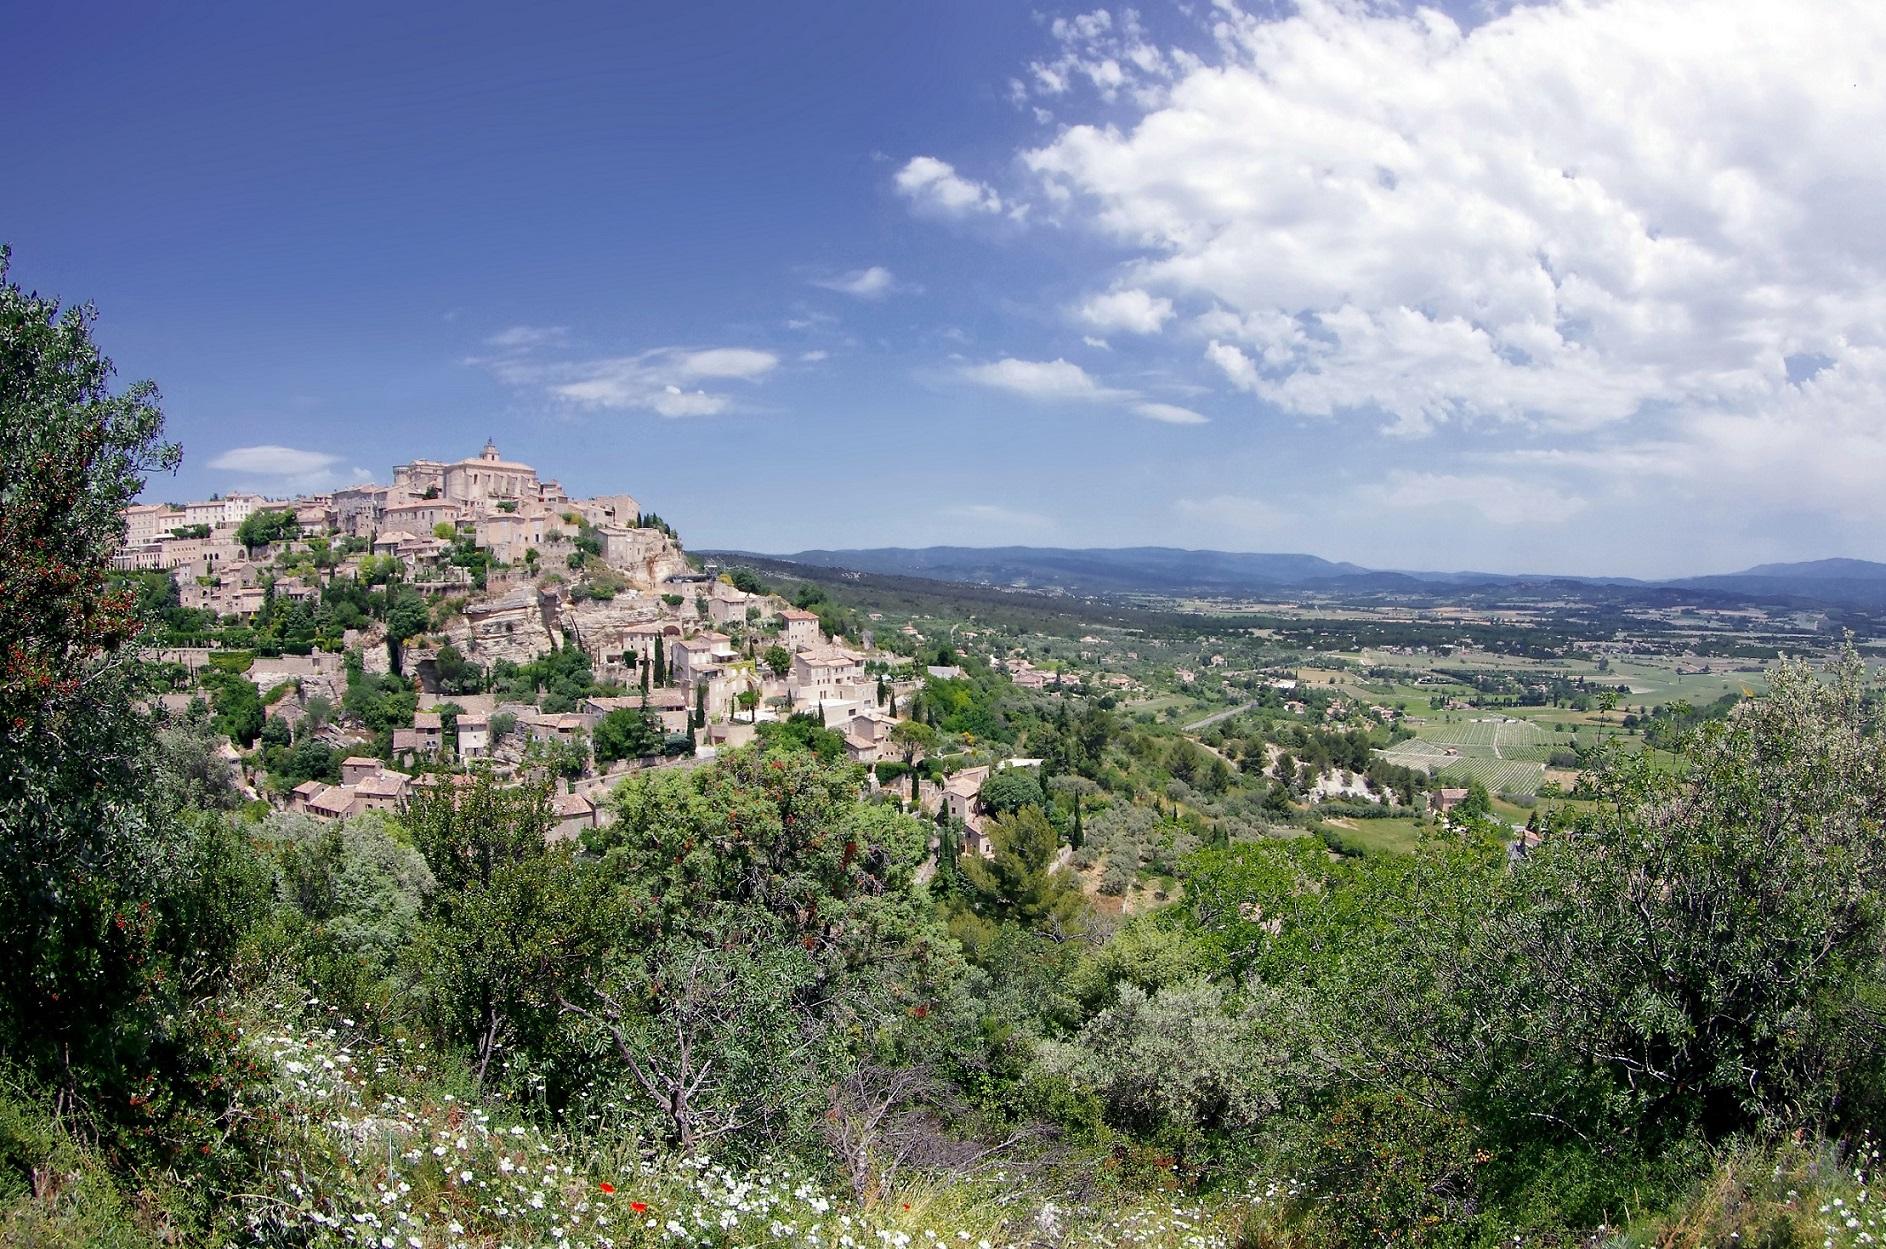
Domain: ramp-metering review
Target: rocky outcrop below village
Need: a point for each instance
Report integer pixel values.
(517, 624)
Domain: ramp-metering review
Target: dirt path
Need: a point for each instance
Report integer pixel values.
(1215, 717)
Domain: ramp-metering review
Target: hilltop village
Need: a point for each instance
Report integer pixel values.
(343, 651)
(473, 614)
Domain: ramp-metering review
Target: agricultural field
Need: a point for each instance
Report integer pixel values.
(1374, 837)
(1170, 706)
(1505, 754)
(1652, 684)
(1650, 681)
(1500, 776)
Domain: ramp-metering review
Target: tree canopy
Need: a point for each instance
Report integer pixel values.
(267, 525)
(627, 733)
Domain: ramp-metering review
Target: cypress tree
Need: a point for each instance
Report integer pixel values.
(948, 850)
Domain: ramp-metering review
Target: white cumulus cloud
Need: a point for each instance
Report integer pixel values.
(1616, 222)
(671, 400)
(1054, 380)
(1237, 367)
(934, 186)
(1130, 310)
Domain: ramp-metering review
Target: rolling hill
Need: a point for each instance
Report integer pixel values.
(1147, 569)
(1175, 571)
(1843, 582)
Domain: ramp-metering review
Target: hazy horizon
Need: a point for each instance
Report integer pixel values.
(1331, 558)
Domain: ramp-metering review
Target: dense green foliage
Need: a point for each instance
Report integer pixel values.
(119, 911)
(556, 679)
(266, 525)
(626, 733)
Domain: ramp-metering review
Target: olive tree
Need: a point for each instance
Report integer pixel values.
(1184, 1060)
(1713, 941)
(117, 915)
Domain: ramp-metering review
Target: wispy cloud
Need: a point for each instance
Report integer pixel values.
(274, 461)
(528, 337)
(1170, 414)
(1063, 381)
(1496, 499)
(663, 380)
(275, 469)
(874, 282)
(738, 362)
(660, 380)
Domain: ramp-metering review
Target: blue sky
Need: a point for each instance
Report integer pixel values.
(1591, 288)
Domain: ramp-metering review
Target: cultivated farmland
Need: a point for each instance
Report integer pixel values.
(1502, 754)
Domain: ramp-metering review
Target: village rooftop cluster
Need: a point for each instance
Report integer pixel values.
(693, 656)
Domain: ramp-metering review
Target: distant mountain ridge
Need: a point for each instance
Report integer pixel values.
(1095, 569)
(1179, 571)
(1854, 582)
(1820, 569)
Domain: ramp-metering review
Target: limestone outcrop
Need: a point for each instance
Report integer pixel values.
(518, 625)
(644, 556)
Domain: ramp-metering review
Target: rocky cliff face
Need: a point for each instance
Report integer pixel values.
(373, 656)
(523, 621)
(644, 556)
(599, 624)
(518, 625)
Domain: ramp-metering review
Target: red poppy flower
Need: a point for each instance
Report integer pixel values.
(607, 1187)
(640, 1207)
